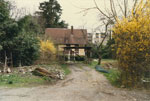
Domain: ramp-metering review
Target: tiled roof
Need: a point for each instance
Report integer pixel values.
(67, 36)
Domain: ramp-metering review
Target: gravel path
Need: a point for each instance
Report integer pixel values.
(83, 84)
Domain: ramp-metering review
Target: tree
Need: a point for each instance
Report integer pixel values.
(28, 24)
(4, 11)
(132, 37)
(131, 34)
(17, 38)
(8, 27)
(26, 44)
(108, 51)
(51, 12)
(116, 9)
(25, 49)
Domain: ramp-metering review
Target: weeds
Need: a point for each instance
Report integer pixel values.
(66, 69)
(113, 77)
(18, 80)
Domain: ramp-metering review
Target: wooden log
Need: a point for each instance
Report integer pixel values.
(5, 65)
(43, 72)
(8, 70)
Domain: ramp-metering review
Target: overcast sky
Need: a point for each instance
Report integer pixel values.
(71, 11)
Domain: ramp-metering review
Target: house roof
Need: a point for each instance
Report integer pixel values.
(67, 36)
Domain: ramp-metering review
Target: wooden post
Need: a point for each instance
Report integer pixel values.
(64, 53)
(5, 65)
(69, 56)
(11, 59)
(86, 55)
(20, 65)
(74, 55)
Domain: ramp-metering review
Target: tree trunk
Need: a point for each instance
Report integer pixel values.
(99, 59)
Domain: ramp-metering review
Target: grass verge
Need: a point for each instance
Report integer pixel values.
(19, 80)
(113, 75)
(67, 71)
(94, 63)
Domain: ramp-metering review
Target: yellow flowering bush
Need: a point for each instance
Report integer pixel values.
(132, 39)
(47, 50)
(47, 46)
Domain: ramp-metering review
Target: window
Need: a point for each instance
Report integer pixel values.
(97, 35)
(102, 35)
(68, 45)
(77, 49)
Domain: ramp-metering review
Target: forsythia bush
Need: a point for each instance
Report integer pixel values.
(47, 50)
(47, 46)
(132, 39)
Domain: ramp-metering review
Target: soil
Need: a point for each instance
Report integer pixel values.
(83, 84)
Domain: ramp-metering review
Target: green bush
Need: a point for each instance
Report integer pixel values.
(80, 58)
(1, 47)
(65, 69)
(106, 51)
(18, 80)
(113, 76)
(77, 58)
(18, 37)
(26, 51)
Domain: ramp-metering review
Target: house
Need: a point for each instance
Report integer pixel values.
(69, 42)
(97, 37)
(89, 36)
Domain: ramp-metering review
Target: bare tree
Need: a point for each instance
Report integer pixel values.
(16, 13)
(116, 9)
(106, 24)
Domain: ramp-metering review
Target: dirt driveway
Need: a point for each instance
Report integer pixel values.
(83, 84)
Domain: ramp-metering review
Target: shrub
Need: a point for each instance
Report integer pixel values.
(47, 47)
(1, 47)
(132, 39)
(26, 50)
(76, 58)
(113, 76)
(17, 37)
(23, 45)
(108, 51)
(47, 51)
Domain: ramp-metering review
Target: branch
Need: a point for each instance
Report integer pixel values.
(106, 34)
(100, 10)
(113, 9)
(87, 9)
(120, 7)
(125, 7)
(135, 4)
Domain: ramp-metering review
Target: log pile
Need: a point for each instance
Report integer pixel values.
(43, 72)
(54, 72)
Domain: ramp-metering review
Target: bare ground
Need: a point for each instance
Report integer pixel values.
(83, 84)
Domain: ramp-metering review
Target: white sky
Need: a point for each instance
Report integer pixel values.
(71, 11)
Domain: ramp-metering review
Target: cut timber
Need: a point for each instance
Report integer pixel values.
(43, 72)
(8, 70)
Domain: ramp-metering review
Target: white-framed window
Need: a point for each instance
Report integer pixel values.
(97, 35)
(103, 35)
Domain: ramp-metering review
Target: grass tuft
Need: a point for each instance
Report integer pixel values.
(66, 69)
(18, 80)
(113, 77)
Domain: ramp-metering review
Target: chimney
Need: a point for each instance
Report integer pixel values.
(71, 29)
